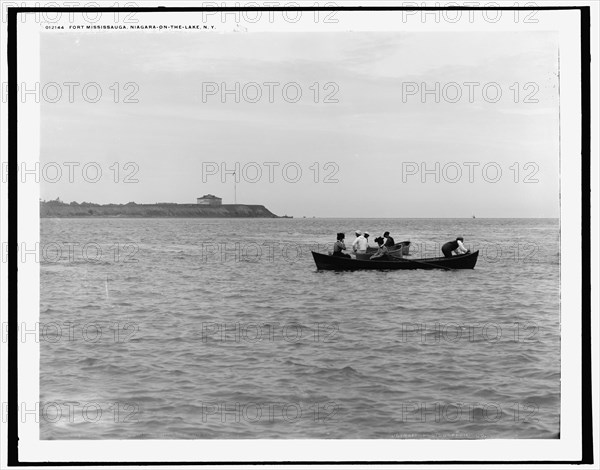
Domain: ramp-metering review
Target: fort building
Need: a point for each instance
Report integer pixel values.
(209, 200)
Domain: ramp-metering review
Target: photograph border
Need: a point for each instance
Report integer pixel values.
(12, 349)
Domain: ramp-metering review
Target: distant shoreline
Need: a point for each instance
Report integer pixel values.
(57, 209)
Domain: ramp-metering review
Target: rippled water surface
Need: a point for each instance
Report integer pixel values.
(213, 328)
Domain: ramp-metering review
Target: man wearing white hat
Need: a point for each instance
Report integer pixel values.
(360, 244)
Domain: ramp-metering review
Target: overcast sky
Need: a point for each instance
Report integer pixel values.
(375, 139)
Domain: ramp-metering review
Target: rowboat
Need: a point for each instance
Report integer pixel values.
(404, 246)
(399, 250)
(337, 263)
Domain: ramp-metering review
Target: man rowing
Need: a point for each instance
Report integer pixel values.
(382, 251)
(454, 247)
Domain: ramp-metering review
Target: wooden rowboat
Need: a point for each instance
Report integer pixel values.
(338, 263)
(404, 246)
(399, 250)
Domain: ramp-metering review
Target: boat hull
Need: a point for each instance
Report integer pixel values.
(337, 263)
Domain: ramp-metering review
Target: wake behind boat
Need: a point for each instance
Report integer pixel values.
(329, 262)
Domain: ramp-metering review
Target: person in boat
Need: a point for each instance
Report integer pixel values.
(454, 247)
(360, 244)
(382, 251)
(388, 241)
(367, 235)
(339, 246)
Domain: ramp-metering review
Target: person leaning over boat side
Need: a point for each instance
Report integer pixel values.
(455, 247)
(382, 251)
(360, 244)
(339, 246)
(387, 240)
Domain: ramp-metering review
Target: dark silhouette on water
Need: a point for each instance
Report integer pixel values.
(327, 262)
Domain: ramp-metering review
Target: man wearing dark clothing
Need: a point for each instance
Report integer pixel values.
(389, 241)
(339, 246)
(456, 245)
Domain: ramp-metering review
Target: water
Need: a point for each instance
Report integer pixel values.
(166, 329)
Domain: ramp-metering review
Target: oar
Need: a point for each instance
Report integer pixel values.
(428, 264)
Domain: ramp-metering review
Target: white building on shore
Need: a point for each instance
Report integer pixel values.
(209, 200)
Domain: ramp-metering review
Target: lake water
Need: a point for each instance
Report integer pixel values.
(223, 328)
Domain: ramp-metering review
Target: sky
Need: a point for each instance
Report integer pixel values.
(368, 144)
